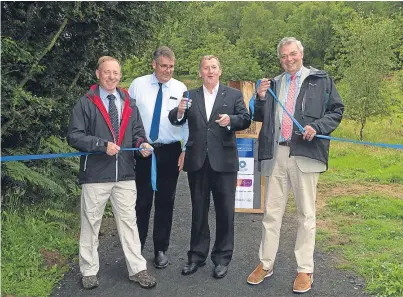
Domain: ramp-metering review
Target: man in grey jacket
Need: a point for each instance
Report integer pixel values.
(289, 159)
(104, 120)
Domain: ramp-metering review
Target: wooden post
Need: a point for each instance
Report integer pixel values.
(247, 88)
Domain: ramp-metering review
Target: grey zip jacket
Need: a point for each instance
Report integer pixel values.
(318, 104)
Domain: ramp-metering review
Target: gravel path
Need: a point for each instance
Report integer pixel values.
(114, 282)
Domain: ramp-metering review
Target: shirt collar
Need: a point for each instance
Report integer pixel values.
(297, 75)
(154, 81)
(215, 89)
(103, 94)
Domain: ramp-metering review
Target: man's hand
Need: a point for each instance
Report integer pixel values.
(182, 106)
(224, 120)
(181, 161)
(263, 87)
(309, 133)
(112, 149)
(146, 149)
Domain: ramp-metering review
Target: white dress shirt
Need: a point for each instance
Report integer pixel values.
(209, 99)
(145, 89)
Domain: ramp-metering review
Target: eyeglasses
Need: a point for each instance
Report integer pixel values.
(165, 66)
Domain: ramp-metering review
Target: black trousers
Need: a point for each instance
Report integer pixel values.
(167, 177)
(222, 185)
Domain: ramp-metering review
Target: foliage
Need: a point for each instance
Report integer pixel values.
(49, 54)
(24, 235)
(33, 181)
(314, 23)
(365, 39)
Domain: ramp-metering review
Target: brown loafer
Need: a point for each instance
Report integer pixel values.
(303, 282)
(258, 275)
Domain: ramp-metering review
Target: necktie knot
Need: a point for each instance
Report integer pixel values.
(111, 97)
(293, 77)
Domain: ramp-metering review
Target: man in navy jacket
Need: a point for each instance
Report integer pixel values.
(104, 120)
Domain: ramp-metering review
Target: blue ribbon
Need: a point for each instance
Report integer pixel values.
(252, 101)
(66, 155)
(302, 130)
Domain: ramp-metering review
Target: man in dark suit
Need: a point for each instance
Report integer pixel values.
(211, 161)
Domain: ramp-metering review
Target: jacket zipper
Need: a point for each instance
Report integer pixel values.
(85, 162)
(116, 177)
(303, 103)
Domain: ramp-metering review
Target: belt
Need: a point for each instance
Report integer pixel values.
(159, 144)
(285, 143)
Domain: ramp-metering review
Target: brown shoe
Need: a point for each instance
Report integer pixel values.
(144, 278)
(258, 275)
(303, 282)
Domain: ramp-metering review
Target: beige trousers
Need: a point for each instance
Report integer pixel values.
(286, 175)
(94, 197)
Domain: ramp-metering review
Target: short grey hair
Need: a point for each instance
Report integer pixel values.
(289, 40)
(165, 52)
(209, 57)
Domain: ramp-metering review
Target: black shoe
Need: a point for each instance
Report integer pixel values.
(192, 267)
(220, 271)
(161, 260)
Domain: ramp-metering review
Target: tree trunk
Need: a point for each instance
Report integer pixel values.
(362, 129)
(43, 53)
(74, 82)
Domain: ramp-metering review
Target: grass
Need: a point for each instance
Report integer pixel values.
(359, 163)
(35, 247)
(360, 217)
(372, 227)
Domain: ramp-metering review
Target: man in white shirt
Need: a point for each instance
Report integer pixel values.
(211, 161)
(156, 94)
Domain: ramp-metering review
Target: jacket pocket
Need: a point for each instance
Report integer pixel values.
(189, 143)
(313, 108)
(228, 143)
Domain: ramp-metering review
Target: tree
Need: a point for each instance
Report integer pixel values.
(313, 23)
(49, 54)
(368, 44)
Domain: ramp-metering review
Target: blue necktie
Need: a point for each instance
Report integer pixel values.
(155, 124)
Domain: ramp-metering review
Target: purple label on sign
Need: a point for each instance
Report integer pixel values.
(244, 182)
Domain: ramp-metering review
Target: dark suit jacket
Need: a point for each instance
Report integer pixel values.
(209, 138)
